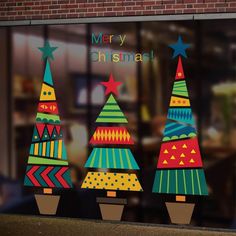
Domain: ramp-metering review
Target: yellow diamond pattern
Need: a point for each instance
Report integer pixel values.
(118, 135)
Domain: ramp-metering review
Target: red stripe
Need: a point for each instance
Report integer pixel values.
(44, 175)
(30, 175)
(59, 177)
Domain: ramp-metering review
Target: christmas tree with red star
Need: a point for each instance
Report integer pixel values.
(180, 168)
(113, 162)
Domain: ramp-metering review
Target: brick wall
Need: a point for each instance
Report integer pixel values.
(62, 9)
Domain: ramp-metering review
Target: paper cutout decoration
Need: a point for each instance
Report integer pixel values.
(180, 181)
(112, 159)
(179, 167)
(111, 135)
(111, 113)
(179, 72)
(111, 85)
(180, 154)
(112, 181)
(175, 130)
(179, 48)
(47, 166)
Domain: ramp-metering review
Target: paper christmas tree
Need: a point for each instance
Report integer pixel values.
(112, 160)
(47, 166)
(180, 168)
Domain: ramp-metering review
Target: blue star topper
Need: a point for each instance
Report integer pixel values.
(47, 51)
(179, 48)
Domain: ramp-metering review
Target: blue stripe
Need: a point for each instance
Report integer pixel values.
(48, 149)
(40, 149)
(32, 149)
(55, 148)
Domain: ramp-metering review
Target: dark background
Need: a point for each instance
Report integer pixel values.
(144, 97)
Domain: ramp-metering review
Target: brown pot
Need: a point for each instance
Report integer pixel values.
(111, 208)
(47, 204)
(180, 213)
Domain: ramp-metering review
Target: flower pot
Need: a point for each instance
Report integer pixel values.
(180, 213)
(111, 209)
(47, 204)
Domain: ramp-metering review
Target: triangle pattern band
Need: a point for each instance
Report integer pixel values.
(180, 153)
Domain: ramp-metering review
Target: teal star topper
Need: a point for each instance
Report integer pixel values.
(47, 51)
(179, 48)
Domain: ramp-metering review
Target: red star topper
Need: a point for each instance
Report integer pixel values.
(111, 85)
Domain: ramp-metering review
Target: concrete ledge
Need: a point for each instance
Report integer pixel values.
(174, 17)
(34, 225)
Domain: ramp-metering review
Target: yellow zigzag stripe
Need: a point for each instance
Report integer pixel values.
(117, 135)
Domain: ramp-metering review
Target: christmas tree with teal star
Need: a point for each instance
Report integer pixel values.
(180, 167)
(47, 161)
(111, 161)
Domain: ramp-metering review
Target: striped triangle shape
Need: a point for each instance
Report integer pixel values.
(111, 113)
(180, 88)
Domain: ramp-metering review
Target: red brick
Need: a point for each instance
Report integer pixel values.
(36, 9)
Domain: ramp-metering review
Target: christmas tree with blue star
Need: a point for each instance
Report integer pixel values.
(47, 166)
(180, 168)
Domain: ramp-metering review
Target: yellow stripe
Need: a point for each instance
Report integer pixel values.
(36, 149)
(44, 149)
(59, 148)
(52, 149)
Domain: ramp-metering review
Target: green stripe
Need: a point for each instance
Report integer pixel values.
(113, 155)
(180, 90)
(160, 183)
(192, 180)
(199, 186)
(185, 189)
(128, 160)
(121, 160)
(112, 120)
(47, 116)
(111, 107)
(93, 157)
(46, 161)
(107, 158)
(176, 181)
(168, 180)
(112, 114)
(100, 156)
(178, 83)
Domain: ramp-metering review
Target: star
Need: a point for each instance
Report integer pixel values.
(47, 51)
(111, 85)
(179, 48)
